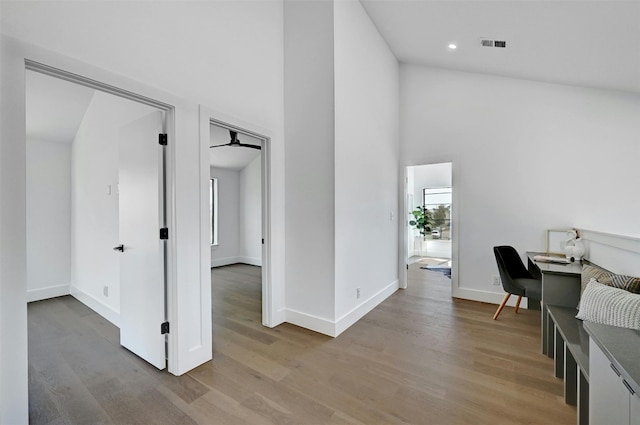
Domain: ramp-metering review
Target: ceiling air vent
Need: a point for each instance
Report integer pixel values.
(487, 42)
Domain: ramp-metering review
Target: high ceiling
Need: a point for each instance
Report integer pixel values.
(583, 43)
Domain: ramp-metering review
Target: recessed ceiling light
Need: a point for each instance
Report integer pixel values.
(453, 46)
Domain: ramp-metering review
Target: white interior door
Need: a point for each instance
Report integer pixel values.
(142, 275)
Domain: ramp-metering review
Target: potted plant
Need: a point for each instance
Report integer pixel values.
(422, 221)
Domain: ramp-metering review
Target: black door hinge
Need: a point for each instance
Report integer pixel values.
(164, 328)
(164, 233)
(162, 139)
(262, 241)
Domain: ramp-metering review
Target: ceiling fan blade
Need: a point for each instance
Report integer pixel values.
(219, 146)
(244, 145)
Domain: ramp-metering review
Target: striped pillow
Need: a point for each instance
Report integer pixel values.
(628, 283)
(609, 306)
(593, 272)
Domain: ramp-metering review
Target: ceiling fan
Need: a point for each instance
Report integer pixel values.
(236, 142)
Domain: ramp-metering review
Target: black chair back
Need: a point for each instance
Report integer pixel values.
(510, 267)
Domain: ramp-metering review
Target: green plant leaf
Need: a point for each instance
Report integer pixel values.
(423, 220)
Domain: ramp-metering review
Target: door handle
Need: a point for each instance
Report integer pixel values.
(119, 248)
(626, 384)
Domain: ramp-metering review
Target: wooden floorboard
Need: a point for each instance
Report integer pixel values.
(420, 357)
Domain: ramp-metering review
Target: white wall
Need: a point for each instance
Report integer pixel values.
(228, 249)
(309, 131)
(342, 169)
(527, 157)
(431, 175)
(13, 286)
(251, 213)
(126, 44)
(618, 253)
(48, 219)
(239, 215)
(95, 224)
(366, 164)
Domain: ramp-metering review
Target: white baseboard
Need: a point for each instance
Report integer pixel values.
(344, 322)
(48, 292)
(309, 321)
(279, 317)
(219, 262)
(251, 261)
(487, 297)
(96, 305)
(331, 328)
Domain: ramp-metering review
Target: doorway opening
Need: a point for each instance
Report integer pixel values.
(98, 188)
(237, 216)
(430, 226)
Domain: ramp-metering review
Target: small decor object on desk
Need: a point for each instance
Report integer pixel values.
(574, 247)
(557, 240)
(550, 259)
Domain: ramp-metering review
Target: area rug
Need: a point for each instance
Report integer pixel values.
(432, 261)
(444, 270)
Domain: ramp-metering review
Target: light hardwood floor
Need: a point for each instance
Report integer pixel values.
(419, 358)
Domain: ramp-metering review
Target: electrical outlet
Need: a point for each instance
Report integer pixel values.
(105, 291)
(496, 280)
(357, 293)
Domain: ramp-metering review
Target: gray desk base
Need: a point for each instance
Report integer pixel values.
(560, 287)
(571, 358)
(558, 290)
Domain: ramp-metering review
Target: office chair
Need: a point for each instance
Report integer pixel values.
(515, 278)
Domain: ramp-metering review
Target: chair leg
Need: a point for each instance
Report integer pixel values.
(518, 303)
(501, 306)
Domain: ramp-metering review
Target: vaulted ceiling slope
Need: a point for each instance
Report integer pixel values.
(55, 108)
(583, 43)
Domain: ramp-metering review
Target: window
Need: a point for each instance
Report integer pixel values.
(213, 211)
(438, 201)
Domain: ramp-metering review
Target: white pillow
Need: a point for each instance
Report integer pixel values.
(610, 306)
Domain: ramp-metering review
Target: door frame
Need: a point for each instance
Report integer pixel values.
(404, 225)
(207, 118)
(187, 345)
(168, 213)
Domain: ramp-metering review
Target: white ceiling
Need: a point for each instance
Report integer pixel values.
(234, 158)
(55, 108)
(584, 43)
